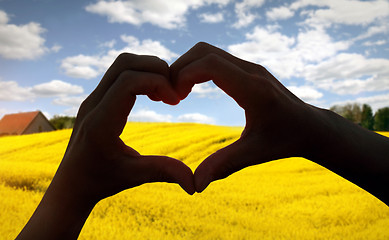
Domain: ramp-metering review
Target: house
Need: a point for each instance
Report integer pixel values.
(24, 123)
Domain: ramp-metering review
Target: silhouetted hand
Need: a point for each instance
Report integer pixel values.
(274, 116)
(97, 164)
(96, 155)
(280, 125)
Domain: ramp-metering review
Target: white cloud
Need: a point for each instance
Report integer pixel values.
(220, 3)
(196, 118)
(306, 93)
(56, 48)
(74, 101)
(378, 28)
(287, 56)
(88, 67)
(71, 111)
(350, 74)
(376, 102)
(316, 57)
(376, 43)
(314, 45)
(82, 66)
(280, 13)
(108, 44)
(147, 47)
(145, 115)
(347, 86)
(149, 116)
(244, 14)
(3, 17)
(165, 14)
(211, 18)
(205, 90)
(56, 88)
(350, 12)
(11, 91)
(262, 44)
(21, 41)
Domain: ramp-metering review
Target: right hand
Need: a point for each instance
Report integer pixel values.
(277, 122)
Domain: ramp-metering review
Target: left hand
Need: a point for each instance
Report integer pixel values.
(97, 164)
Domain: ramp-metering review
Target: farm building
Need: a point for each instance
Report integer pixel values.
(24, 123)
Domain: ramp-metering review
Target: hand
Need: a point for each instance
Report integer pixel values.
(280, 125)
(277, 122)
(97, 164)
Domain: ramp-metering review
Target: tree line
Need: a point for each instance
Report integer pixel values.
(363, 115)
(357, 113)
(62, 122)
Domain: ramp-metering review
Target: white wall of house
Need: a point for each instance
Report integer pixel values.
(39, 124)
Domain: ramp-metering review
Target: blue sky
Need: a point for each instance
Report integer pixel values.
(53, 53)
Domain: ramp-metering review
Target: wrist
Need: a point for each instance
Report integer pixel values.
(323, 135)
(71, 190)
(60, 215)
(346, 148)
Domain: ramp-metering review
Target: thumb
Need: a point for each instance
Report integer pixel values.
(225, 162)
(166, 169)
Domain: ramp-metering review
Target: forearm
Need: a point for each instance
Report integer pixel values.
(357, 154)
(60, 215)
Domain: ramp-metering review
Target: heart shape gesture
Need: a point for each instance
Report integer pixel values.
(107, 166)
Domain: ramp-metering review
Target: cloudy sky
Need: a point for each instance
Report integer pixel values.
(53, 53)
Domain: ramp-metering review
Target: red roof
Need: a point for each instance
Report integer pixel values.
(16, 123)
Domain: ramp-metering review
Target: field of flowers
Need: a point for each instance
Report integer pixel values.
(284, 199)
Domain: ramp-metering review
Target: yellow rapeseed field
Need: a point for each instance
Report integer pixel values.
(284, 199)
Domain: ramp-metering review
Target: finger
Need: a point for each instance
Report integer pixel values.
(202, 49)
(165, 169)
(154, 97)
(117, 103)
(124, 62)
(236, 82)
(225, 162)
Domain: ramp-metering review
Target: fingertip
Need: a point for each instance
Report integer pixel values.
(153, 97)
(187, 182)
(183, 91)
(184, 84)
(200, 187)
(190, 190)
(183, 95)
(166, 169)
(173, 100)
(201, 179)
(168, 94)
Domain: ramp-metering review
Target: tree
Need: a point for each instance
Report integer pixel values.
(62, 122)
(352, 112)
(381, 119)
(367, 119)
